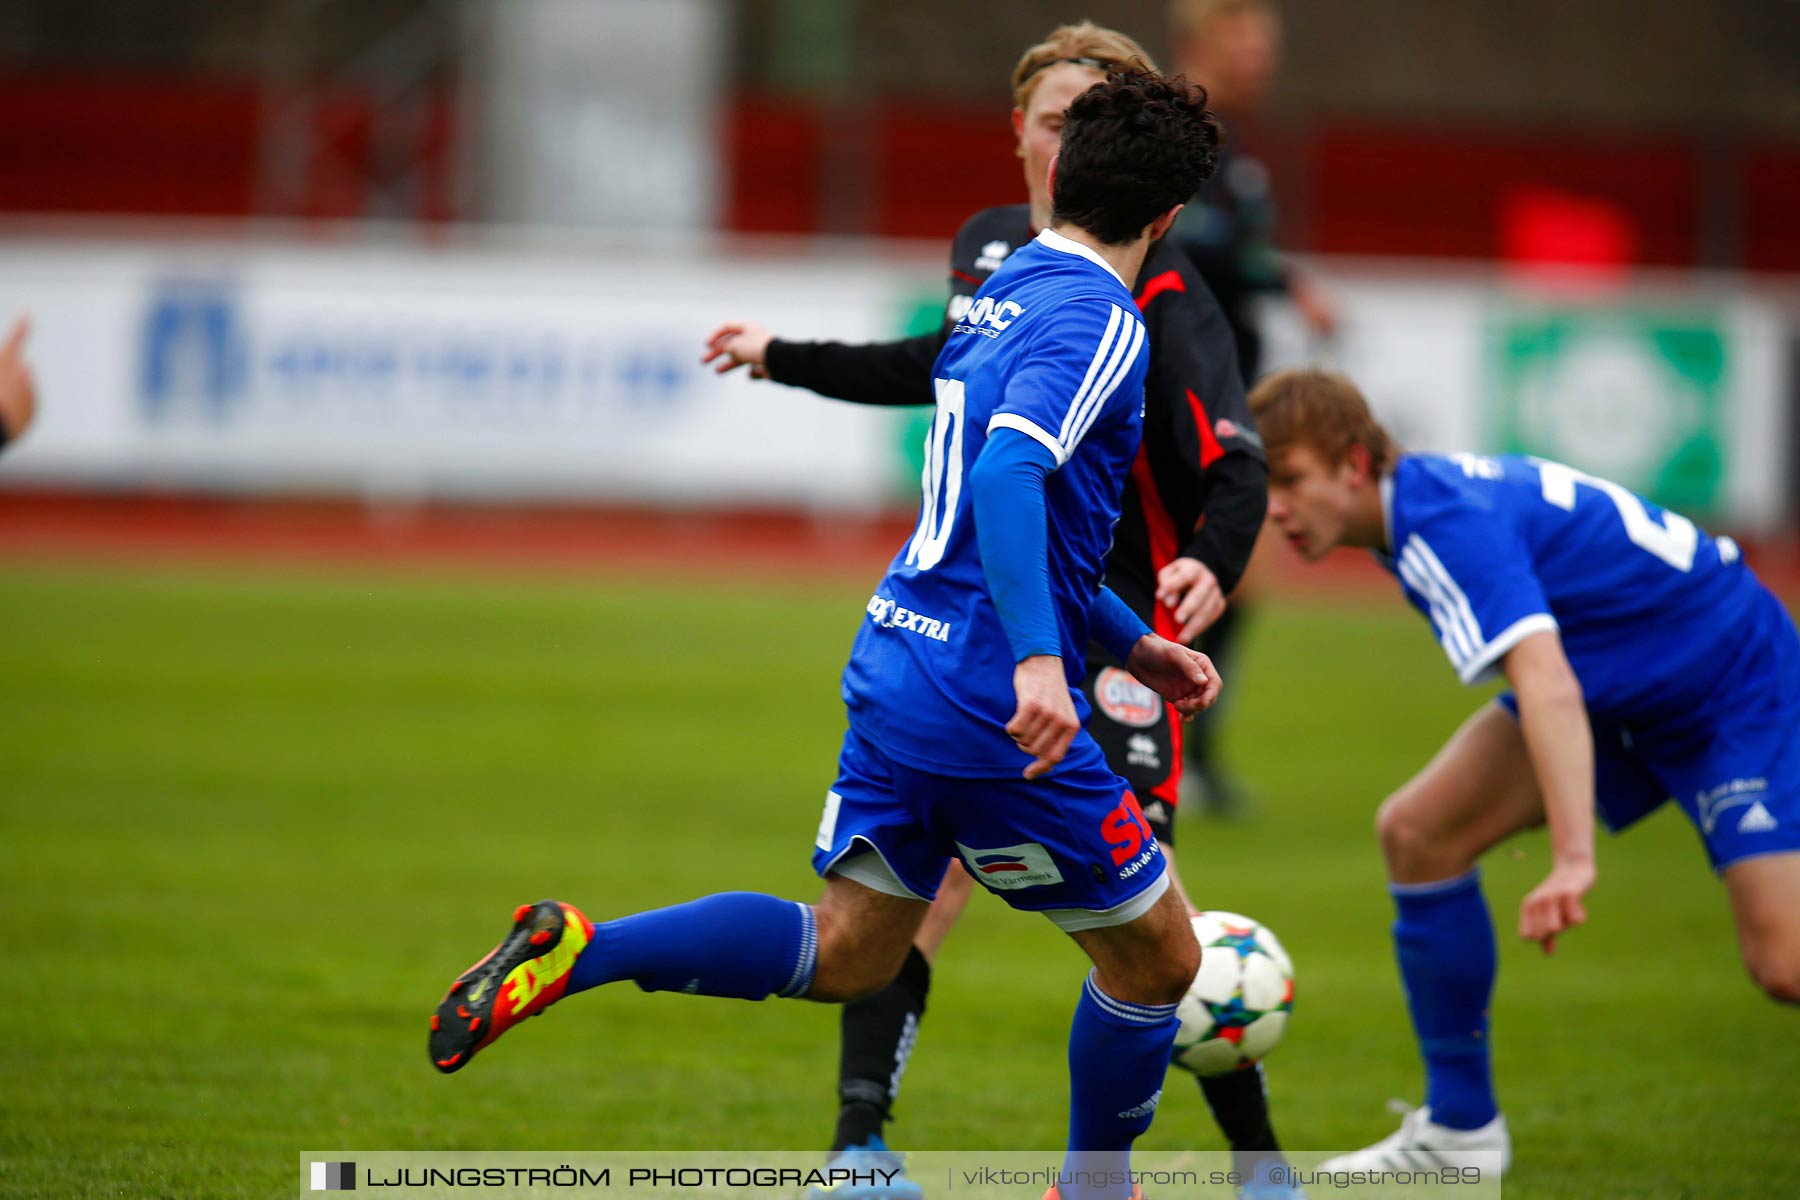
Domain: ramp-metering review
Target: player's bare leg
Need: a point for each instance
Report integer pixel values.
(1478, 791)
(864, 936)
(953, 896)
(1150, 960)
(878, 1025)
(1765, 901)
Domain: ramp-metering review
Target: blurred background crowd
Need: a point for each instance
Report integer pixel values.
(466, 250)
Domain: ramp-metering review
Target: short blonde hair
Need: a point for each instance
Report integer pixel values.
(1322, 411)
(1190, 16)
(1083, 39)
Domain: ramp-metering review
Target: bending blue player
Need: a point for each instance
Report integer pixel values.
(964, 683)
(1646, 661)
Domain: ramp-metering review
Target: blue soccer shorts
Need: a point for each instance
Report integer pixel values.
(1735, 771)
(1073, 845)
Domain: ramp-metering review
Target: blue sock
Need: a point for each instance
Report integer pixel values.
(739, 944)
(1445, 943)
(1118, 1055)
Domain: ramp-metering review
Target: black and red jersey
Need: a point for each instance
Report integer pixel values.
(1199, 485)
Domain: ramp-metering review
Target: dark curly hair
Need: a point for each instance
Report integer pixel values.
(1133, 147)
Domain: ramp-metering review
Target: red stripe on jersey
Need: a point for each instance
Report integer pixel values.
(1168, 281)
(965, 277)
(1169, 790)
(1210, 450)
(1161, 530)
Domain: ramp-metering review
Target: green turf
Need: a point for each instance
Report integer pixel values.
(250, 826)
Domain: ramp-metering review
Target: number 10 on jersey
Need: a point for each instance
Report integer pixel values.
(941, 480)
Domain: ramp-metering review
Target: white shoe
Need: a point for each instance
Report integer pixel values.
(1423, 1145)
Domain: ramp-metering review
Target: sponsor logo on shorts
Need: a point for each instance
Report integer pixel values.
(1736, 793)
(1141, 861)
(1009, 868)
(1125, 700)
(1127, 832)
(1757, 819)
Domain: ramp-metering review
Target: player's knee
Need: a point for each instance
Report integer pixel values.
(1164, 977)
(852, 964)
(1776, 971)
(1407, 840)
(1184, 964)
(1412, 842)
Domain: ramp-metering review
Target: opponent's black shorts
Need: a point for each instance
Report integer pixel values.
(1141, 735)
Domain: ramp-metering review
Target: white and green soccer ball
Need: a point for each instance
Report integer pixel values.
(1238, 1005)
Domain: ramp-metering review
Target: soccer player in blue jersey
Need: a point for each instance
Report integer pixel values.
(963, 686)
(1645, 661)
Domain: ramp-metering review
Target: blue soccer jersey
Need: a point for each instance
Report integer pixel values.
(1689, 667)
(1052, 347)
(1650, 610)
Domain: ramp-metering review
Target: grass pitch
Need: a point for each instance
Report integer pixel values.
(250, 826)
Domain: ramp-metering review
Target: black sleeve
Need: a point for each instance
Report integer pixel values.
(1235, 505)
(892, 373)
(1196, 360)
(872, 373)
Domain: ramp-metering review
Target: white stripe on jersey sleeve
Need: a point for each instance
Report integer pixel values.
(1452, 638)
(1111, 385)
(1031, 430)
(1471, 654)
(1087, 382)
(1453, 593)
(1478, 666)
(1093, 386)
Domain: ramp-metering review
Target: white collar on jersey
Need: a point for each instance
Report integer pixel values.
(1056, 241)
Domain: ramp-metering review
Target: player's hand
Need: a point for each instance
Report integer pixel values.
(1317, 305)
(1555, 904)
(1188, 586)
(1181, 675)
(1044, 723)
(740, 344)
(18, 395)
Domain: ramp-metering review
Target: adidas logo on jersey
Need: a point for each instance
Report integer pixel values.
(1756, 819)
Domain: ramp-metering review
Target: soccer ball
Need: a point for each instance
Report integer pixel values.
(1236, 1008)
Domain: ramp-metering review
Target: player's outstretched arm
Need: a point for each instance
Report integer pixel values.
(882, 373)
(1553, 718)
(18, 394)
(739, 344)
